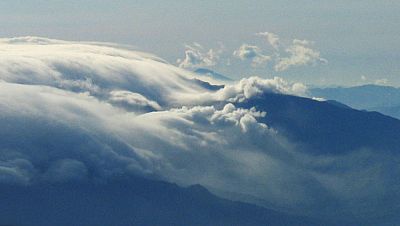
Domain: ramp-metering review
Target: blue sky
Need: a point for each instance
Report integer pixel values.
(358, 38)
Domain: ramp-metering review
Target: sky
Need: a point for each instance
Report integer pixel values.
(356, 42)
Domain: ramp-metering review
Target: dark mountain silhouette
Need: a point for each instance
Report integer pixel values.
(323, 127)
(137, 202)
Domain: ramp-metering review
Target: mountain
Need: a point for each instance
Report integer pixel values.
(385, 99)
(326, 127)
(136, 201)
(212, 74)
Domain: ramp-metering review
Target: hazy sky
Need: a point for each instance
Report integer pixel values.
(360, 39)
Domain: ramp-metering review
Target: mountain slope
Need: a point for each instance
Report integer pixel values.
(385, 99)
(327, 128)
(136, 201)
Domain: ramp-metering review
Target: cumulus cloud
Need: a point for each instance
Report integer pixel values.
(283, 56)
(252, 53)
(72, 112)
(254, 86)
(246, 89)
(300, 53)
(196, 56)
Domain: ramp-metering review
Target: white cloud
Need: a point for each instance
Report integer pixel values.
(382, 81)
(252, 53)
(271, 38)
(132, 100)
(247, 88)
(300, 54)
(96, 69)
(196, 56)
(255, 86)
(318, 99)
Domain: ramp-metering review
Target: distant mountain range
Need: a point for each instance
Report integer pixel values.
(212, 74)
(384, 99)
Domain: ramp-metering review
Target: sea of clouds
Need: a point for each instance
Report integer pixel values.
(76, 111)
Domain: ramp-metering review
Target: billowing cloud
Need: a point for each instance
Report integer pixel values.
(282, 57)
(132, 100)
(96, 69)
(245, 89)
(254, 86)
(300, 53)
(72, 112)
(196, 56)
(252, 53)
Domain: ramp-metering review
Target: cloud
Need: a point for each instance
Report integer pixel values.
(248, 88)
(96, 69)
(73, 112)
(245, 89)
(319, 99)
(196, 56)
(89, 137)
(383, 81)
(300, 54)
(363, 78)
(252, 53)
(134, 101)
(271, 38)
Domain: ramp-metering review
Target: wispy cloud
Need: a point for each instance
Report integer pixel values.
(271, 38)
(196, 56)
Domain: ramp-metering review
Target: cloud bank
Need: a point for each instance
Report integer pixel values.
(96, 69)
